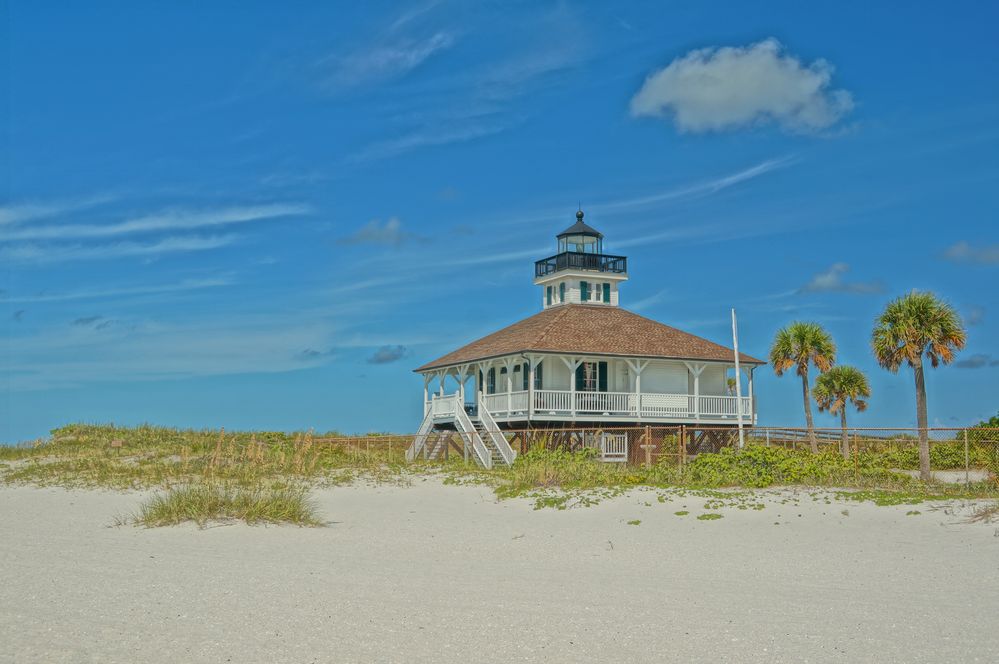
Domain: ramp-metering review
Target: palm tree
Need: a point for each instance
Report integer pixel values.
(798, 345)
(835, 388)
(910, 327)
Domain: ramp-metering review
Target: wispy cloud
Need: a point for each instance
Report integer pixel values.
(172, 221)
(832, 281)
(706, 187)
(21, 212)
(428, 136)
(477, 102)
(381, 61)
(35, 253)
(102, 293)
(716, 89)
(646, 302)
(965, 252)
(387, 354)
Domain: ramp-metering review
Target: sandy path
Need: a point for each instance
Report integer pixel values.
(444, 573)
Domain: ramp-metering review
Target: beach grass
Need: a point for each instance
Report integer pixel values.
(207, 502)
(149, 457)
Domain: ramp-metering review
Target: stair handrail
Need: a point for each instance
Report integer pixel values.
(499, 440)
(420, 439)
(465, 426)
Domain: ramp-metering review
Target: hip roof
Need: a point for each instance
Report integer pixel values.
(584, 329)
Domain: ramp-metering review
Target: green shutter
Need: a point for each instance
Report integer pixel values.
(580, 378)
(561, 292)
(607, 293)
(538, 373)
(526, 371)
(549, 296)
(602, 377)
(584, 291)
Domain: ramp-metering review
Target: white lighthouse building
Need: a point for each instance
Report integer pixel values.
(583, 361)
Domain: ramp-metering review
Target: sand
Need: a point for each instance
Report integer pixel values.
(448, 574)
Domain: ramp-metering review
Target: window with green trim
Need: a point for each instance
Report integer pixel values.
(606, 293)
(584, 291)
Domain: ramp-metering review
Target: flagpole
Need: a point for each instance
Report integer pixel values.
(738, 381)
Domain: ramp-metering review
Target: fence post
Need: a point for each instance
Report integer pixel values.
(967, 472)
(856, 457)
(682, 452)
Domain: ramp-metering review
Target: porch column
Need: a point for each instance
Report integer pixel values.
(696, 370)
(508, 364)
(461, 376)
(752, 399)
(426, 394)
(572, 364)
(532, 363)
(638, 366)
(441, 375)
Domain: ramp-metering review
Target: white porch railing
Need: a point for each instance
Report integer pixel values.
(629, 404)
(505, 404)
(446, 405)
(565, 403)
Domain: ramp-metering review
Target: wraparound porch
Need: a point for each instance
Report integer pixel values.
(570, 406)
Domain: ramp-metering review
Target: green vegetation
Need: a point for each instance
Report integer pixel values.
(194, 466)
(910, 327)
(709, 516)
(635, 522)
(207, 501)
(797, 346)
(838, 387)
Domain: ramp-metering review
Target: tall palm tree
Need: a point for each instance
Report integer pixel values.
(835, 389)
(799, 345)
(910, 327)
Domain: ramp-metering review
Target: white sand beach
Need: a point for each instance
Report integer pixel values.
(449, 574)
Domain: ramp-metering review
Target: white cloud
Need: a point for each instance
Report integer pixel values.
(716, 89)
(167, 221)
(982, 254)
(831, 281)
(34, 253)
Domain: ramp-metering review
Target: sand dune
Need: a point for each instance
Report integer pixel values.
(444, 573)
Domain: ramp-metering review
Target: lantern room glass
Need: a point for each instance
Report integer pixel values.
(583, 243)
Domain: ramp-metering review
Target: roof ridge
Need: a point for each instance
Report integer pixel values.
(548, 328)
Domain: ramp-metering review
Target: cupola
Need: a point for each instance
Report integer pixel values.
(580, 273)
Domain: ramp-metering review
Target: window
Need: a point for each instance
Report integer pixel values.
(606, 293)
(538, 373)
(549, 296)
(591, 377)
(525, 374)
(561, 292)
(584, 291)
(491, 381)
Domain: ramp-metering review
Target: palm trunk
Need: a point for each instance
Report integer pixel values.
(845, 440)
(924, 438)
(808, 412)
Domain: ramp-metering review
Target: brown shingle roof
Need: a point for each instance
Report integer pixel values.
(590, 330)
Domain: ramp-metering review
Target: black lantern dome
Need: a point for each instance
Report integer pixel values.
(581, 238)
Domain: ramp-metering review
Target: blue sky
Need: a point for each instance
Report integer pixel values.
(246, 215)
